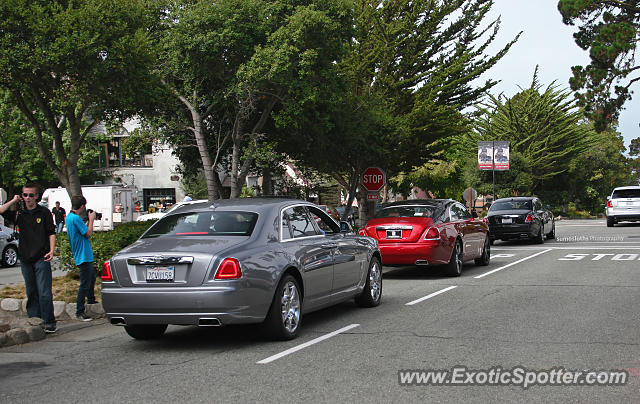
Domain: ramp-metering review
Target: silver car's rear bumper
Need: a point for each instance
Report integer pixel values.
(185, 306)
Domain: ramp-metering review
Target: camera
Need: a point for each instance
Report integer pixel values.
(98, 214)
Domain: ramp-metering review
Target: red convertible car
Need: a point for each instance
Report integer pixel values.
(429, 232)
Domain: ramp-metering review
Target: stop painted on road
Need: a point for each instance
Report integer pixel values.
(598, 257)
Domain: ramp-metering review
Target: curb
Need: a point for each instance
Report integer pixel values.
(16, 328)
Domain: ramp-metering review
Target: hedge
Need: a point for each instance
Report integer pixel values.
(104, 243)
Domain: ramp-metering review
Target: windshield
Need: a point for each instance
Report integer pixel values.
(204, 224)
(511, 205)
(406, 211)
(626, 193)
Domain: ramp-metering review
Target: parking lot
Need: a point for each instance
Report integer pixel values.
(571, 303)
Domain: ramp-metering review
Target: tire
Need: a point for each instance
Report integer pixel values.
(147, 331)
(454, 267)
(372, 292)
(285, 314)
(610, 221)
(540, 237)
(9, 256)
(485, 258)
(552, 234)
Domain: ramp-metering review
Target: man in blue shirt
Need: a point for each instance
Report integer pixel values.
(79, 234)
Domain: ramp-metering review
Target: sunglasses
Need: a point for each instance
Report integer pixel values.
(24, 195)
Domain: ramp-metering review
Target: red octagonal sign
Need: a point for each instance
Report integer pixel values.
(373, 179)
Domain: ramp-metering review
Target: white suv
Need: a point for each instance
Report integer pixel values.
(623, 205)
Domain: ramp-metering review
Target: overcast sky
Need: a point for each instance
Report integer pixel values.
(546, 42)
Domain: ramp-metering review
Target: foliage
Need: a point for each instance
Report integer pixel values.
(609, 31)
(545, 134)
(230, 64)
(593, 175)
(407, 76)
(69, 65)
(104, 244)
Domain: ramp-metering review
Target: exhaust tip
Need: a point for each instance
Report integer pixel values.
(422, 262)
(209, 322)
(118, 321)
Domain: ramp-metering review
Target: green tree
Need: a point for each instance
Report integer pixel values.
(69, 65)
(543, 126)
(609, 31)
(234, 66)
(594, 173)
(407, 78)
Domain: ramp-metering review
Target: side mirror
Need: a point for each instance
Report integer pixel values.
(345, 227)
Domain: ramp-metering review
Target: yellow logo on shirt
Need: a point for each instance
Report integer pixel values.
(38, 220)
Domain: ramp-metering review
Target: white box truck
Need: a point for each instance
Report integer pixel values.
(115, 202)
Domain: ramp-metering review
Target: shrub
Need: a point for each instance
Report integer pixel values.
(104, 244)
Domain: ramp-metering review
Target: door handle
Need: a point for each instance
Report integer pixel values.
(329, 245)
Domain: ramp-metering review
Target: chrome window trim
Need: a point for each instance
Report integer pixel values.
(295, 238)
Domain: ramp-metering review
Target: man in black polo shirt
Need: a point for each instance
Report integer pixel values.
(37, 244)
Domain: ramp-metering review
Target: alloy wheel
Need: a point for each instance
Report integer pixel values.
(10, 257)
(375, 281)
(290, 307)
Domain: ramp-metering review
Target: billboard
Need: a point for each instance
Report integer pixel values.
(485, 155)
(493, 155)
(501, 155)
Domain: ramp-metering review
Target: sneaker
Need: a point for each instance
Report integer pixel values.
(93, 302)
(50, 329)
(83, 317)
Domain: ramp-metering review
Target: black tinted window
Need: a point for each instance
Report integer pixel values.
(406, 211)
(626, 193)
(511, 205)
(204, 224)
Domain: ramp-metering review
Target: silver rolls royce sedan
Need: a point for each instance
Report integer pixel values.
(240, 261)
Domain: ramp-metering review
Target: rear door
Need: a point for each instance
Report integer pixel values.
(626, 200)
(313, 252)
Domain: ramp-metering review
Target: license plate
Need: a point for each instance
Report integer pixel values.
(160, 274)
(629, 203)
(506, 220)
(394, 234)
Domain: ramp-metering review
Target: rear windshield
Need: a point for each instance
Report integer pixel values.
(626, 193)
(406, 211)
(511, 205)
(204, 224)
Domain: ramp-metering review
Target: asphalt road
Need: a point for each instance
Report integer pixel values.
(571, 303)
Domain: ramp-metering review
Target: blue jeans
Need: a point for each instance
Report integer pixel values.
(59, 227)
(87, 283)
(37, 281)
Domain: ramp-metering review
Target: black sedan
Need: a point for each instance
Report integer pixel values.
(239, 261)
(520, 218)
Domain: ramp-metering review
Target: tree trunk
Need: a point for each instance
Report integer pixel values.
(267, 181)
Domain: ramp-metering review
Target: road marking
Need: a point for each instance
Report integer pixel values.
(502, 255)
(430, 296)
(306, 344)
(513, 263)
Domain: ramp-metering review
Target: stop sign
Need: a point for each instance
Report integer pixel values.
(373, 179)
